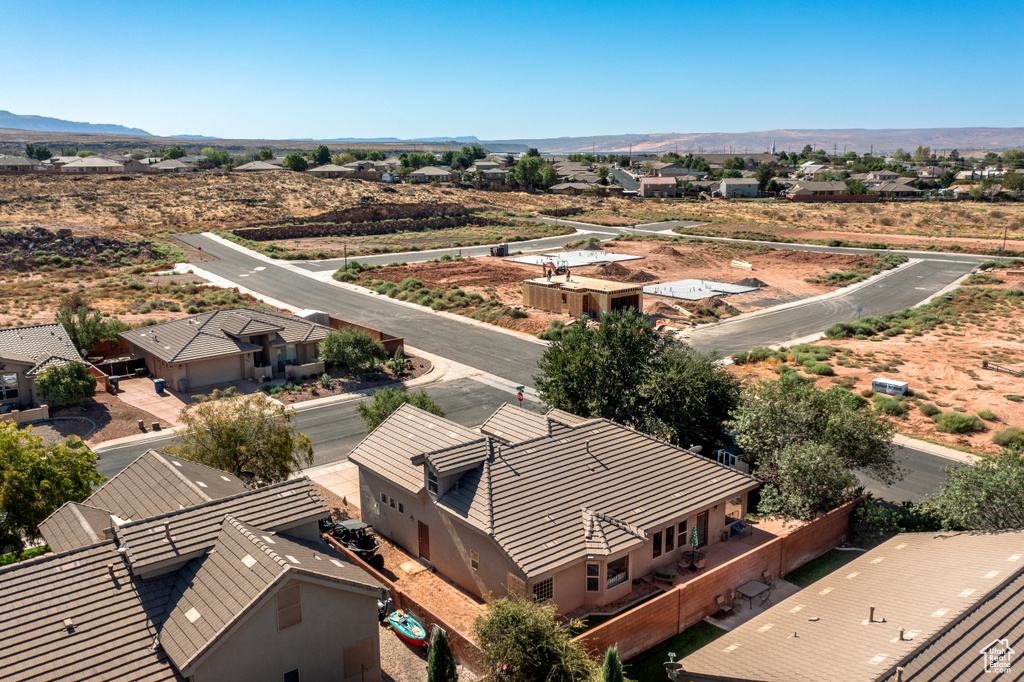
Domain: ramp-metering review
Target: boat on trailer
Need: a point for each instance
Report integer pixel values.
(408, 629)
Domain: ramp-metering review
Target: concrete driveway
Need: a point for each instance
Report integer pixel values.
(141, 393)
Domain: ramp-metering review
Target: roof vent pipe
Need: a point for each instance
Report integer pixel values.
(110, 569)
(899, 674)
(901, 635)
(871, 614)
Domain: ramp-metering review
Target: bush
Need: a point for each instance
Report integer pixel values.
(867, 392)
(873, 522)
(1012, 437)
(954, 422)
(988, 415)
(66, 384)
(554, 331)
(353, 349)
(819, 368)
(324, 380)
(887, 405)
(929, 410)
(1013, 397)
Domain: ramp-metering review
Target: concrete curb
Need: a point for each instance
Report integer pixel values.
(945, 290)
(131, 440)
(937, 450)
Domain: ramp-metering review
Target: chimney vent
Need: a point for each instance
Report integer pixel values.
(69, 624)
(110, 569)
(899, 674)
(901, 635)
(871, 614)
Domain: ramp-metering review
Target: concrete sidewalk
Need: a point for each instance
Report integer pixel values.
(341, 478)
(934, 449)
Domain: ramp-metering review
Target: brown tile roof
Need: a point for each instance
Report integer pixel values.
(194, 530)
(408, 432)
(214, 591)
(76, 525)
(658, 181)
(45, 345)
(947, 590)
(543, 499)
(203, 336)
(513, 424)
(259, 166)
(113, 619)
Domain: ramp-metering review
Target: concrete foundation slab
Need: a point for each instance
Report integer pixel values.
(695, 289)
(573, 259)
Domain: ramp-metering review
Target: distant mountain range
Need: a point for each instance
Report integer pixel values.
(59, 125)
(844, 139)
(465, 140)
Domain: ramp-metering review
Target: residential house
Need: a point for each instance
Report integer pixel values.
(657, 187)
(92, 165)
(732, 188)
(18, 164)
(563, 509)
(360, 166)
(140, 165)
(882, 176)
(256, 166)
(227, 583)
(941, 607)
(576, 296)
(25, 352)
(484, 165)
(431, 174)
(222, 346)
(58, 161)
(330, 170)
(896, 190)
(392, 162)
(172, 166)
(930, 172)
(668, 170)
(818, 189)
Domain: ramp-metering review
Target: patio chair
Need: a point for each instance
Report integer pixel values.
(701, 564)
(766, 596)
(766, 576)
(723, 608)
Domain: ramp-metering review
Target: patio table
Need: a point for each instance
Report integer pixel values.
(751, 589)
(691, 558)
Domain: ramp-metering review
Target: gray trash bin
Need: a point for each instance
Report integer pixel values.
(183, 384)
(159, 384)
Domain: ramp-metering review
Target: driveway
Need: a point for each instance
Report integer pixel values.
(141, 393)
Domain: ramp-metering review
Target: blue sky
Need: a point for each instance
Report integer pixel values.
(511, 70)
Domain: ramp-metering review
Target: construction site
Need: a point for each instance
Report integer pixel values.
(652, 275)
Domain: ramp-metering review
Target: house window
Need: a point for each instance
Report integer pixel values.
(401, 508)
(474, 560)
(8, 386)
(618, 572)
(431, 482)
(543, 590)
(683, 540)
(593, 576)
(657, 544)
(670, 538)
(292, 676)
(383, 498)
(289, 607)
(393, 505)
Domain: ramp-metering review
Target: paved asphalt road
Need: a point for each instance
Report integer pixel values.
(625, 179)
(336, 428)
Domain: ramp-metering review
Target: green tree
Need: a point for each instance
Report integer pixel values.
(786, 426)
(602, 174)
(342, 159)
(36, 479)
(441, 665)
(732, 174)
(321, 155)
(531, 152)
(947, 178)
(528, 171)
(242, 435)
(548, 176)
(67, 384)
(266, 155)
(522, 642)
(856, 187)
(37, 153)
(735, 163)
(353, 349)
(175, 152)
(986, 495)
(611, 671)
(87, 329)
(296, 162)
(764, 175)
(901, 155)
(217, 158)
(374, 411)
(1013, 182)
(922, 156)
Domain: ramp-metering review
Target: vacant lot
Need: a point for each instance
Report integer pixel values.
(940, 351)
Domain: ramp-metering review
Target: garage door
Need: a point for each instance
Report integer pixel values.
(210, 372)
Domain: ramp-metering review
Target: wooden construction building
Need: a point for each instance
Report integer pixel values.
(581, 295)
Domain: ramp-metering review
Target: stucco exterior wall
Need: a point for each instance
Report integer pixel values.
(333, 619)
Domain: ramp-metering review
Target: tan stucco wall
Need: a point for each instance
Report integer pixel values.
(451, 541)
(332, 620)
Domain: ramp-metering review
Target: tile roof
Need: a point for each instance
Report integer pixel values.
(204, 336)
(947, 590)
(76, 525)
(214, 591)
(432, 171)
(657, 181)
(408, 432)
(898, 187)
(155, 483)
(513, 424)
(544, 499)
(93, 162)
(113, 618)
(193, 530)
(45, 345)
(259, 166)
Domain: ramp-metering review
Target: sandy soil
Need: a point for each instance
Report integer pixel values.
(341, 383)
(943, 367)
(790, 275)
(97, 420)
